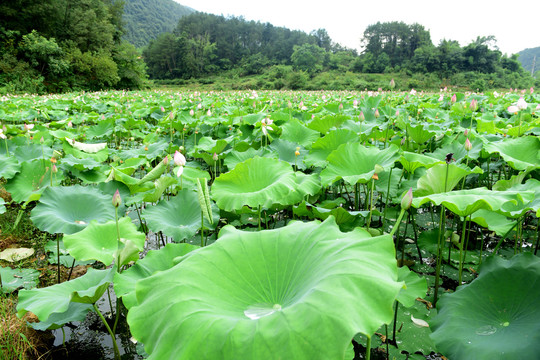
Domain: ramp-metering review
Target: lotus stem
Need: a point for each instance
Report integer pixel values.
(387, 197)
(496, 248)
(116, 351)
(537, 236)
(416, 237)
(395, 323)
(202, 228)
(259, 213)
(440, 243)
(58, 256)
(398, 222)
(462, 244)
(118, 238)
(71, 269)
(370, 202)
(63, 337)
(368, 347)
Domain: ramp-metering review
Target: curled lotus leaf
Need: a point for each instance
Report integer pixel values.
(269, 294)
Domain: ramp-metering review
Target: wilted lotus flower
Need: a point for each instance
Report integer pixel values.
(179, 159)
(406, 201)
(453, 99)
(468, 145)
(116, 200)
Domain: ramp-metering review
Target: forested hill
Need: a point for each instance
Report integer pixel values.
(527, 59)
(144, 20)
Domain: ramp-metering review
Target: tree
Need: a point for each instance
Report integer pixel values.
(308, 57)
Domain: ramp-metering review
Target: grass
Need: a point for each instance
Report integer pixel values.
(17, 340)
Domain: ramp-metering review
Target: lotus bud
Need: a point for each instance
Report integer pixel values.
(377, 113)
(162, 109)
(406, 200)
(340, 107)
(392, 84)
(209, 113)
(69, 124)
(355, 103)
(532, 90)
(181, 148)
(116, 200)
(215, 157)
(54, 169)
(171, 115)
(28, 127)
(166, 160)
(199, 107)
(466, 132)
(453, 99)
(361, 117)
(191, 112)
(474, 104)
(42, 140)
(468, 145)
(179, 159)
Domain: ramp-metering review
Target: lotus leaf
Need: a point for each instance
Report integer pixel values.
(16, 254)
(295, 132)
(412, 161)
(355, 163)
(269, 294)
(520, 153)
(255, 182)
(75, 312)
(415, 287)
(466, 202)
(100, 242)
(178, 217)
(10, 166)
(495, 316)
(44, 302)
(321, 148)
(13, 279)
(69, 209)
(31, 181)
(433, 181)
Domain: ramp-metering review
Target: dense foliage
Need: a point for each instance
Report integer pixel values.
(276, 217)
(145, 20)
(204, 44)
(56, 45)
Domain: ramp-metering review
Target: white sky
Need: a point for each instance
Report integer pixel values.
(515, 24)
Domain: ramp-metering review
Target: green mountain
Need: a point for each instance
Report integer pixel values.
(530, 58)
(144, 20)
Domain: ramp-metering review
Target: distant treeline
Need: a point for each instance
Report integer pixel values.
(205, 44)
(60, 45)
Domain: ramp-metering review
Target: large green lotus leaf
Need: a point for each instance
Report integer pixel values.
(321, 148)
(493, 221)
(13, 279)
(419, 133)
(25, 153)
(10, 166)
(100, 242)
(269, 294)
(495, 316)
(69, 209)
(466, 202)
(295, 132)
(415, 287)
(31, 181)
(520, 153)
(154, 261)
(132, 183)
(179, 217)
(51, 248)
(355, 163)
(255, 182)
(152, 151)
(81, 164)
(528, 186)
(75, 312)
(44, 302)
(412, 161)
(433, 181)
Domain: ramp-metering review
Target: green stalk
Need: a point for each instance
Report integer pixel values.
(387, 197)
(398, 222)
(58, 256)
(504, 237)
(462, 243)
(370, 203)
(259, 213)
(116, 351)
(202, 229)
(368, 347)
(440, 244)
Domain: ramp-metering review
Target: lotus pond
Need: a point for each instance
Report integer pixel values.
(274, 225)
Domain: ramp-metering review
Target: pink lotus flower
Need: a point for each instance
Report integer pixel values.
(521, 104)
(513, 109)
(28, 127)
(453, 99)
(179, 171)
(191, 112)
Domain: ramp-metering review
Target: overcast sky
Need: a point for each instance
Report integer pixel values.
(515, 24)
